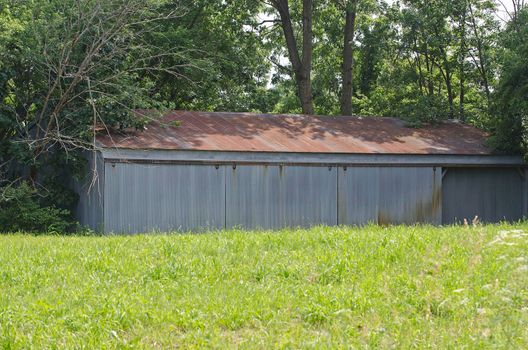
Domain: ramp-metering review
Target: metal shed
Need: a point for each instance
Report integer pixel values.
(197, 171)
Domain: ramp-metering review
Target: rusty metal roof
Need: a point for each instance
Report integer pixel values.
(208, 131)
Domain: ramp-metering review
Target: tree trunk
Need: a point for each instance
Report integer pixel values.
(449, 86)
(305, 79)
(348, 59)
(302, 68)
(448, 79)
(418, 60)
(462, 59)
(429, 65)
(480, 51)
(446, 73)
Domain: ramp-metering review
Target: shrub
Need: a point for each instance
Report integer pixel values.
(20, 210)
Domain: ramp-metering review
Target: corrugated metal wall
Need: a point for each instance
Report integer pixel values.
(164, 197)
(494, 194)
(398, 195)
(265, 196)
(145, 197)
(89, 209)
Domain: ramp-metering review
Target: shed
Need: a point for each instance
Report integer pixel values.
(191, 171)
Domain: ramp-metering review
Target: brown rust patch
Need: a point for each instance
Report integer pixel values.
(424, 210)
(437, 198)
(247, 132)
(383, 218)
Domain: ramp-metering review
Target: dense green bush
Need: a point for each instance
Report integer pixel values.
(510, 126)
(21, 210)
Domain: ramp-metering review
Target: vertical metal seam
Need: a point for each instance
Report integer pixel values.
(441, 200)
(103, 179)
(337, 195)
(105, 229)
(225, 197)
(524, 195)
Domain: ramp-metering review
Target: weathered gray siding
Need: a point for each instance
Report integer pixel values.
(147, 197)
(358, 195)
(252, 197)
(492, 194)
(394, 195)
(262, 196)
(148, 194)
(89, 210)
(309, 195)
(410, 195)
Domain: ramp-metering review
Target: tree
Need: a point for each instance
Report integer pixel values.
(301, 62)
(229, 70)
(69, 68)
(462, 53)
(510, 108)
(350, 8)
(483, 29)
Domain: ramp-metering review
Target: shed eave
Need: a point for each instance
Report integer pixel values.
(359, 159)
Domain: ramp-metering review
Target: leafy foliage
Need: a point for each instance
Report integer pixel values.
(227, 66)
(66, 68)
(21, 211)
(511, 97)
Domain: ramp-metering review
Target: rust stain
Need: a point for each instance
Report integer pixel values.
(424, 210)
(383, 218)
(208, 131)
(437, 198)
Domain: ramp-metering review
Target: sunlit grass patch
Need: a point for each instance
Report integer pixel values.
(403, 287)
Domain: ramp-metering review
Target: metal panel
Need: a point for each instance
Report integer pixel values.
(358, 195)
(147, 197)
(259, 196)
(389, 195)
(312, 158)
(308, 195)
(410, 195)
(492, 194)
(89, 210)
(252, 197)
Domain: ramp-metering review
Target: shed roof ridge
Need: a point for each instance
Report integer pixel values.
(291, 115)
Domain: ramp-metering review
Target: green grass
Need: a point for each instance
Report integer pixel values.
(395, 287)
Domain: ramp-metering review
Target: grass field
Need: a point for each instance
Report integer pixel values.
(375, 287)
